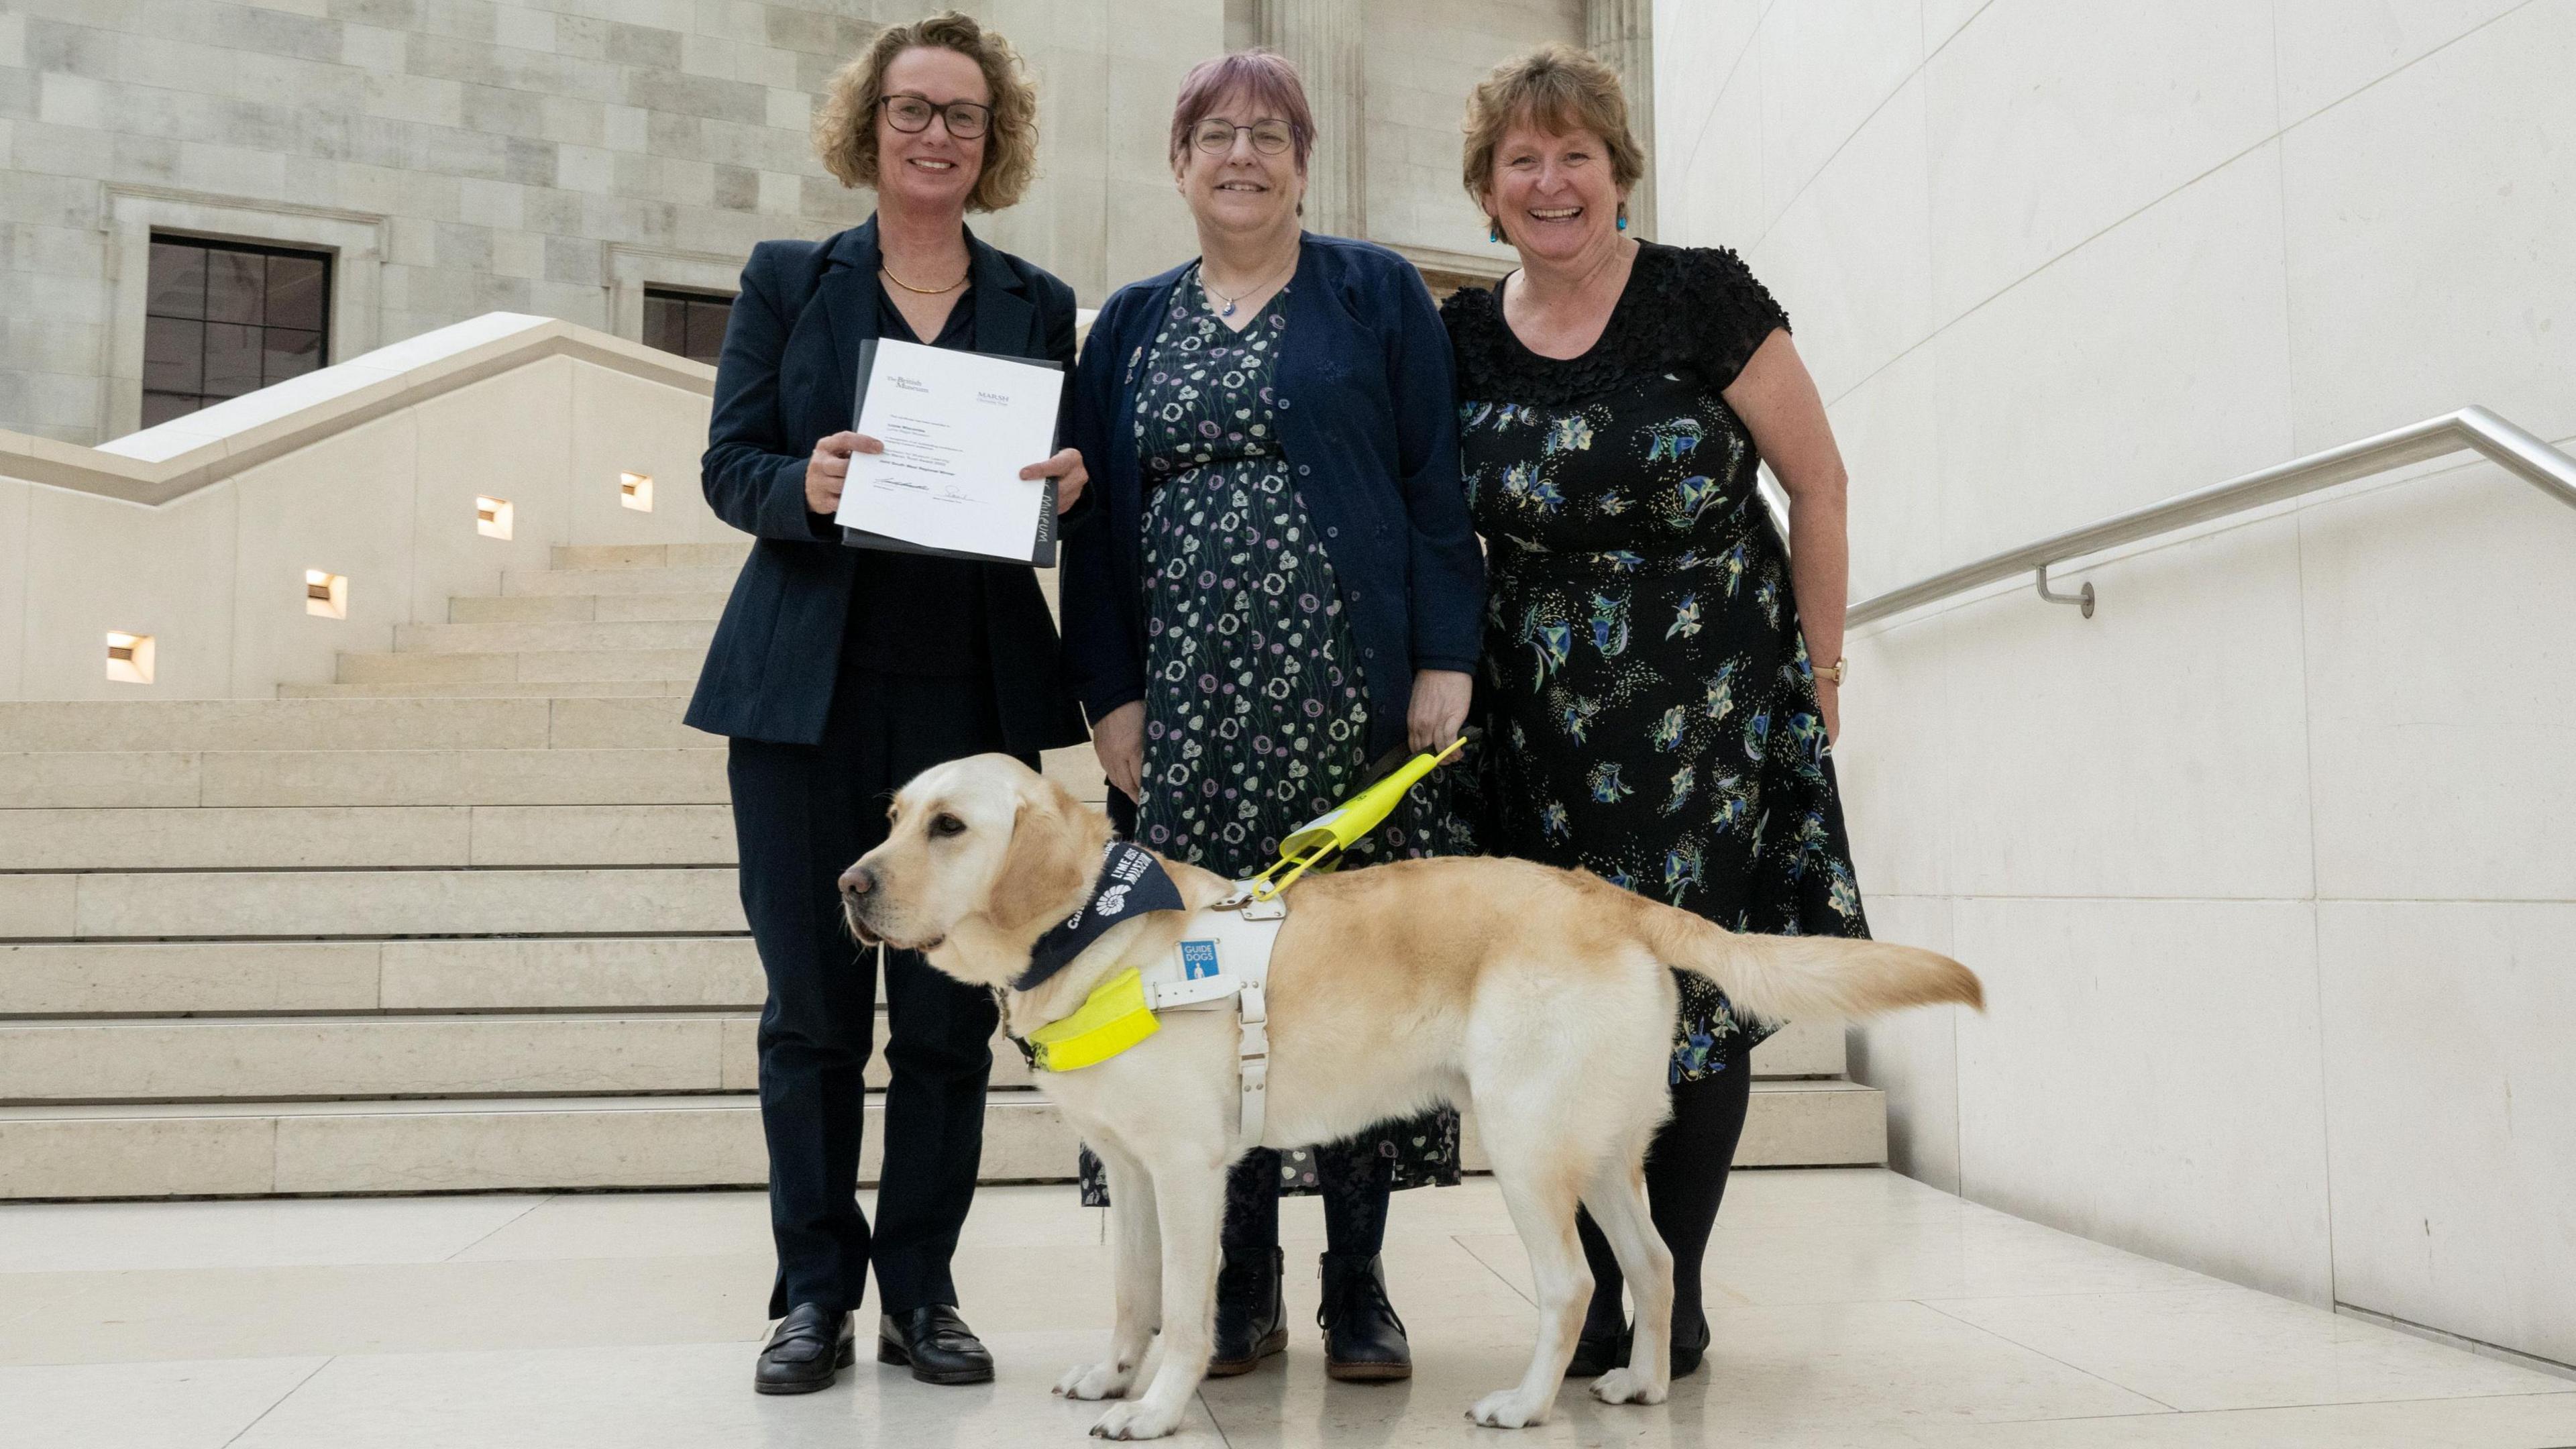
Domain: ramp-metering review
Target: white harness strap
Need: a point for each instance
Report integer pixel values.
(1224, 954)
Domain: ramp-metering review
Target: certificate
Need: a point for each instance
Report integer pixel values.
(957, 427)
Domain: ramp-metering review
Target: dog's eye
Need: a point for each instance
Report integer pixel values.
(947, 825)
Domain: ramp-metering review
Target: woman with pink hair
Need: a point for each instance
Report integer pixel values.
(1280, 587)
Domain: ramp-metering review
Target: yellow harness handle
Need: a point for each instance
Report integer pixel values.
(1319, 840)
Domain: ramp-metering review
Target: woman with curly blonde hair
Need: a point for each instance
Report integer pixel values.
(835, 684)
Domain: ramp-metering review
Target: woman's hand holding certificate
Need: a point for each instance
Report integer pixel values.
(826, 471)
(950, 473)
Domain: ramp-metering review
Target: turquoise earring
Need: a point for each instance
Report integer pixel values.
(1494, 231)
(1623, 216)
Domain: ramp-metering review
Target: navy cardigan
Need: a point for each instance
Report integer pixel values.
(789, 375)
(1369, 428)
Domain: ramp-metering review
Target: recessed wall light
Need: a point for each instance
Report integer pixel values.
(635, 490)
(326, 595)
(492, 517)
(129, 657)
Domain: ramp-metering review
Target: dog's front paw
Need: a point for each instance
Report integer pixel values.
(1509, 1409)
(1136, 1421)
(1627, 1386)
(1109, 1379)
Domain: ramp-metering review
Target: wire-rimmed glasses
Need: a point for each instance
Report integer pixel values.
(1215, 135)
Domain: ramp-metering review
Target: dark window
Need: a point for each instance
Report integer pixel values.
(691, 324)
(226, 318)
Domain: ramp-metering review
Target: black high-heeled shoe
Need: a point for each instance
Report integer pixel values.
(1596, 1354)
(1688, 1351)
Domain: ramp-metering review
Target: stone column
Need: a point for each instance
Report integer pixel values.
(1622, 32)
(1327, 41)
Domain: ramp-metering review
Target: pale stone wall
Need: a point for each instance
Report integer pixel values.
(544, 156)
(1424, 57)
(2268, 865)
(556, 156)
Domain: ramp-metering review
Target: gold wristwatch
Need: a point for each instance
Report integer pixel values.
(1836, 671)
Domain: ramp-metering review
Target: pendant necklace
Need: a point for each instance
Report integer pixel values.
(1228, 309)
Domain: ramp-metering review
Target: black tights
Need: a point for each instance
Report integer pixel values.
(1353, 1180)
(1685, 1180)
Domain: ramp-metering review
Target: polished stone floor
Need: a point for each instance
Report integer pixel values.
(1851, 1307)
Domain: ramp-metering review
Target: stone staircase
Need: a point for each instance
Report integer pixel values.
(464, 919)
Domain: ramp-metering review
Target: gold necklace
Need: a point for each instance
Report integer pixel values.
(1228, 309)
(925, 291)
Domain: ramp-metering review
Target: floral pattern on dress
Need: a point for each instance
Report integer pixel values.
(1256, 716)
(1649, 705)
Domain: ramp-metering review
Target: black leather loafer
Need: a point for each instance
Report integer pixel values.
(1596, 1354)
(1251, 1319)
(809, 1349)
(1364, 1341)
(937, 1344)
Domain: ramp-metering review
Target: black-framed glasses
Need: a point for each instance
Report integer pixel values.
(1215, 136)
(965, 120)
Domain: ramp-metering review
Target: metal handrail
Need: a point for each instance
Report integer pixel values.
(2519, 452)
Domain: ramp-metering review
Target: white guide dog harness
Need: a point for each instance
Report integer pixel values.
(1224, 952)
(1221, 959)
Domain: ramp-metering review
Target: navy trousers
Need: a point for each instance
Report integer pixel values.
(802, 813)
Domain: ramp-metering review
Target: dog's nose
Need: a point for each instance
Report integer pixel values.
(858, 880)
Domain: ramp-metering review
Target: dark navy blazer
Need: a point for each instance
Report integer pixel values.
(787, 378)
(1369, 427)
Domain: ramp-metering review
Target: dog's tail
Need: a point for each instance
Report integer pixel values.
(1804, 975)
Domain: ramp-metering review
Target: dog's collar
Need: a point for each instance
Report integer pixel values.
(1132, 882)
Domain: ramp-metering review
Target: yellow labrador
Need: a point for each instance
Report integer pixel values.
(1537, 996)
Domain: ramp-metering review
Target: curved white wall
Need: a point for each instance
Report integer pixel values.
(368, 469)
(2271, 866)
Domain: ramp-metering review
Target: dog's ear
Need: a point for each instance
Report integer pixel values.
(1046, 863)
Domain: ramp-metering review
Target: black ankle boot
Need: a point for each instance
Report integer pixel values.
(1363, 1339)
(1251, 1316)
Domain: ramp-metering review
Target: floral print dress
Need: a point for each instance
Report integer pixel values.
(1649, 707)
(1256, 717)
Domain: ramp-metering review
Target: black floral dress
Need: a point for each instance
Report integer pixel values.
(1256, 718)
(1649, 708)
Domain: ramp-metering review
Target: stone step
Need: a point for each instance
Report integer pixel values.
(626, 749)
(626, 637)
(250, 1149)
(323, 904)
(494, 689)
(334, 1058)
(164, 725)
(567, 664)
(601, 583)
(242, 978)
(1788, 1124)
(164, 779)
(338, 837)
(246, 1149)
(651, 555)
(585, 608)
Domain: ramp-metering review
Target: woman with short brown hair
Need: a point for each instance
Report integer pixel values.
(1648, 692)
(835, 685)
